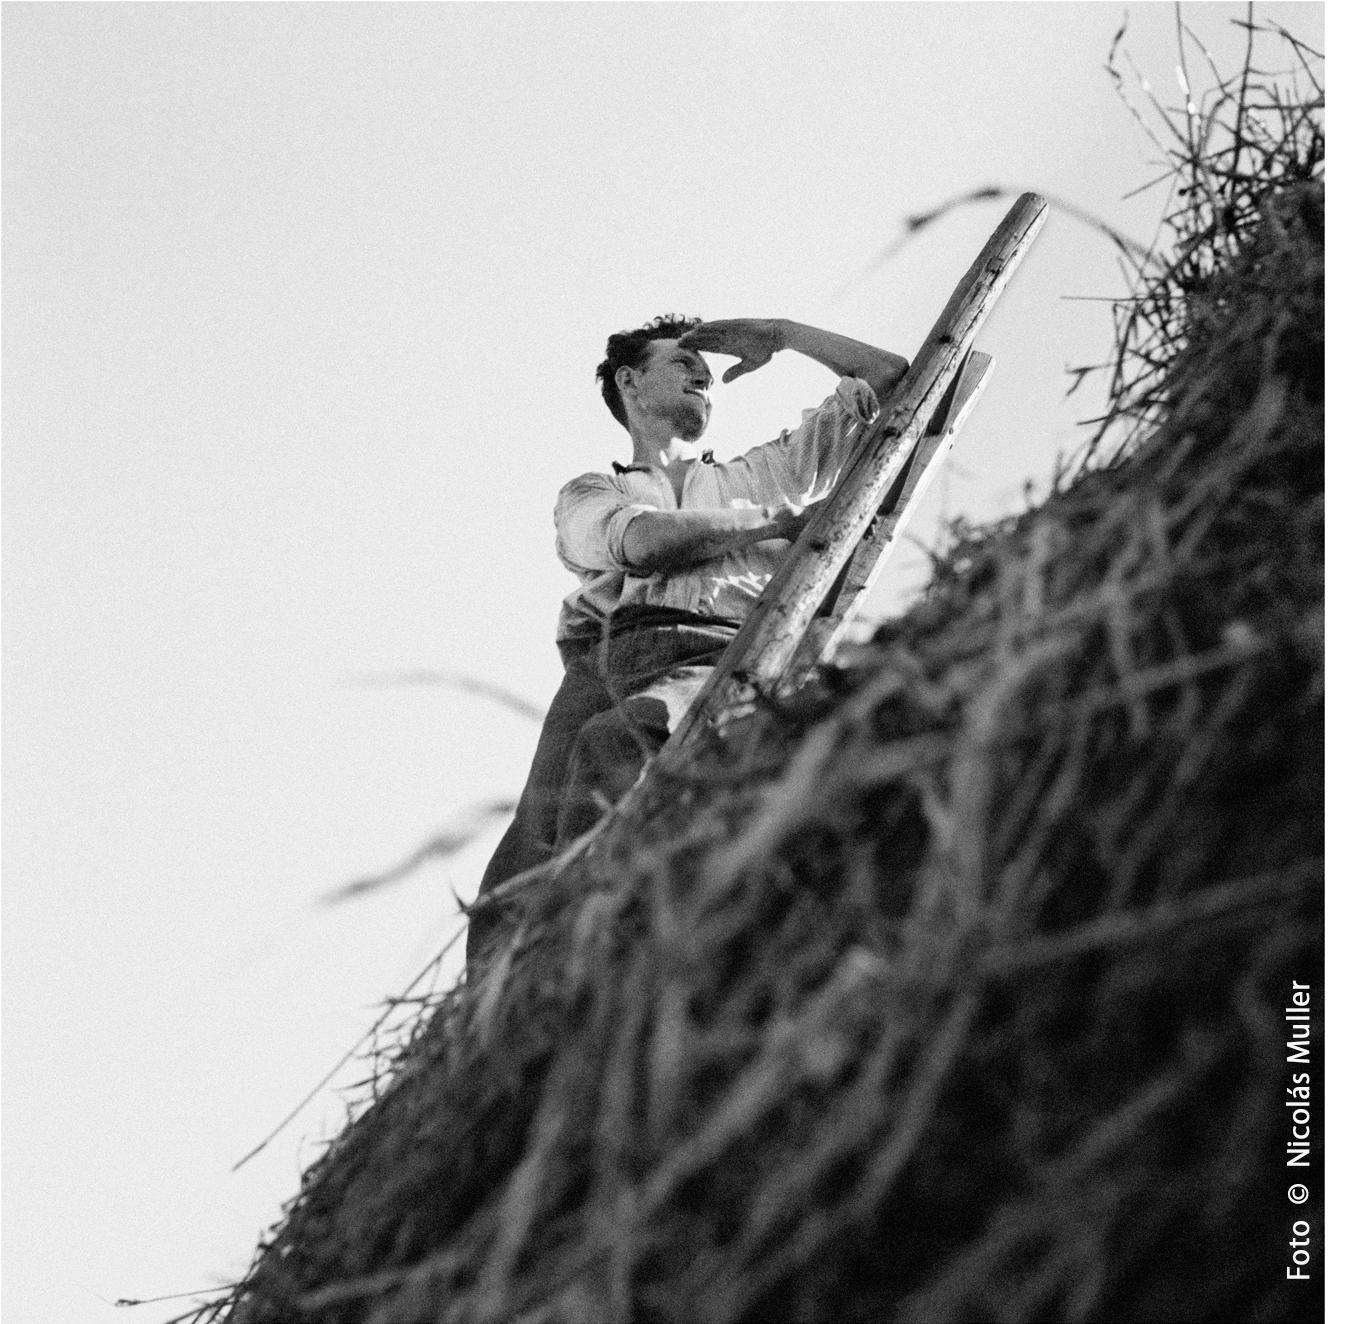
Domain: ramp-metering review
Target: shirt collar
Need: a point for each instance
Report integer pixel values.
(708, 457)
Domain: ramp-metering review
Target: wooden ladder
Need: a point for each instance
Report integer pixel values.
(811, 601)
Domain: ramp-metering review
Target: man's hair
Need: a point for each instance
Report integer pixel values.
(629, 349)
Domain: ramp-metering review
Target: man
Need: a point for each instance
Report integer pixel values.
(671, 552)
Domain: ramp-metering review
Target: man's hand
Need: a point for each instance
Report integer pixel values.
(789, 519)
(752, 340)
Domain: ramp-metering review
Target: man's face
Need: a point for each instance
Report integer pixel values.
(672, 384)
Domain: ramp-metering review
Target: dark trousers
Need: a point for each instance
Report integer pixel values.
(619, 700)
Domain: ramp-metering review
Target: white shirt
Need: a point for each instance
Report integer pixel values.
(593, 511)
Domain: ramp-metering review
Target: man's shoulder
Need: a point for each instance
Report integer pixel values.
(590, 482)
(587, 486)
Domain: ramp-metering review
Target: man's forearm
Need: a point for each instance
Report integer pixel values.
(880, 368)
(667, 540)
(755, 340)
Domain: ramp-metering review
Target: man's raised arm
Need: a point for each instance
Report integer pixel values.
(755, 340)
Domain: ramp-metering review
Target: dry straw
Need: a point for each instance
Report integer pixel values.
(952, 990)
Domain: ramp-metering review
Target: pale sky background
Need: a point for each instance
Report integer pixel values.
(301, 310)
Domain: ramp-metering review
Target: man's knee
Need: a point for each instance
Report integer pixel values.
(608, 755)
(631, 731)
(616, 743)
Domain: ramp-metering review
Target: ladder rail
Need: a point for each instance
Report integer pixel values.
(874, 551)
(892, 496)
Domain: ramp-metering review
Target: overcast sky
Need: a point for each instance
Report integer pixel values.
(301, 310)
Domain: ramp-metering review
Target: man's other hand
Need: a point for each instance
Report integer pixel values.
(752, 340)
(790, 519)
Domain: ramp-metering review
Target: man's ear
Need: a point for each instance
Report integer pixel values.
(625, 377)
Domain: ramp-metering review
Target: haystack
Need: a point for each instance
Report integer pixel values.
(952, 989)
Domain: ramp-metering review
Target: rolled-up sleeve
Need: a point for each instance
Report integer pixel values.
(591, 516)
(811, 454)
